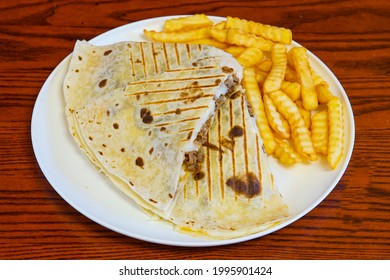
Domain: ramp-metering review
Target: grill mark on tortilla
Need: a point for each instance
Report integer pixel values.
(132, 64)
(186, 139)
(179, 121)
(185, 130)
(182, 110)
(244, 137)
(221, 184)
(166, 56)
(152, 200)
(208, 169)
(154, 59)
(192, 69)
(199, 47)
(188, 51)
(245, 184)
(233, 156)
(198, 176)
(139, 162)
(177, 79)
(143, 59)
(260, 174)
(177, 54)
(102, 83)
(236, 131)
(211, 146)
(172, 90)
(175, 99)
(245, 143)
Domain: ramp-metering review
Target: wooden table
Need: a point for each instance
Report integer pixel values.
(351, 37)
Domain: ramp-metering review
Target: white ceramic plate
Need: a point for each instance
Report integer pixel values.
(79, 183)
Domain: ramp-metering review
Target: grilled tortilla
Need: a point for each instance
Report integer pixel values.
(233, 194)
(138, 110)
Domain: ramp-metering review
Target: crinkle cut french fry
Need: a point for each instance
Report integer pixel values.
(324, 94)
(250, 56)
(292, 89)
(302, 67)
(278, 70)
(265, 65)
(274, 33)
(261, 76)
(320, 132)
(220, 25)
(235, 50)
(253, 94)
(290, 60)
(299, 132)
(219, 34)
(306, 115)
(210, 42)
(285, 153)
(277, 122)
(336, 131)
(178, 37)
(302, 140)
(187, 23)
(291, 75)
(317, 79)
(240, 38)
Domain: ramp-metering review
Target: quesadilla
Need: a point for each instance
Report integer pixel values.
(140, 112)
(233, 193)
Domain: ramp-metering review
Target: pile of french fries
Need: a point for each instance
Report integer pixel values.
(298, 117)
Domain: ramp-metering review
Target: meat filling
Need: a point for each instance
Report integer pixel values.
(193, 159)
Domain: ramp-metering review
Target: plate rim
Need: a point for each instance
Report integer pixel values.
(201, 242)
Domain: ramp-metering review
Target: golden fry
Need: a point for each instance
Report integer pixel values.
(277, 122)
(254, 97)
(240, 38)
(306, 115)
(317, 79)
(299, 131)
(219, 34)
(302, 66)
(274, 33)
(336, 133)
(285, 153)
(324, 94)
(290, 61)
(278, 70)
(320, 132)
(261, 76)
(234, 50)
(178, 37)
(265, 65)
(210, 42)
(220, 25)
(292, 89)
(250, 56)
(291, 75)
(187, 23)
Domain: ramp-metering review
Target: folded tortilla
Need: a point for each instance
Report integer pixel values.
(233, 194)
(137, 110)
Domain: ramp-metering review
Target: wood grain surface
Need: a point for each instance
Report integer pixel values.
(351, 37)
